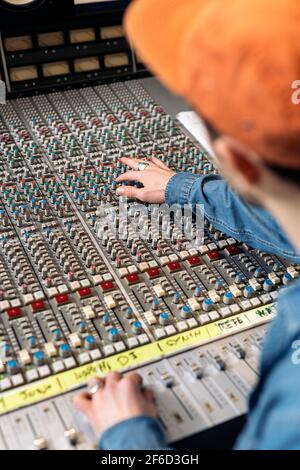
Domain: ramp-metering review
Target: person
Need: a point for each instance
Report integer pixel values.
(236, 63)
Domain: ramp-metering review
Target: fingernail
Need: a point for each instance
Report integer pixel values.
(120, 191)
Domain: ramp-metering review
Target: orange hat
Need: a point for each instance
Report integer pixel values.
(234, 60)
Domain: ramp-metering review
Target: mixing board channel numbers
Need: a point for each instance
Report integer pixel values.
(70, 292)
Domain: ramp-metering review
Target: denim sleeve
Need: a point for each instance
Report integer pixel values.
(274, 423)
(274, 416)
(139, 433)
(230, 214)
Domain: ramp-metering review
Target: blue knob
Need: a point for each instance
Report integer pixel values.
(89, 342)
(12, 366)
(113, 334)
(32, 341)
(286, 278)
(248, 291)
(268, 285)
(64, 350)
(164, 318)
(82, 326)
(137, 327)
(207, 304)
(129, 312)
(185, 311)
(38, 358)
(227, 298)
(198, 291)
(57, 334)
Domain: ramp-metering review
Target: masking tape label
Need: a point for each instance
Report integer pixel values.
(65, 381)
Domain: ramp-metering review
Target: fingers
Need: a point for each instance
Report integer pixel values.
(149, 395)
(113, 378)
(159, 163)
(131, 176)
(94, 382)
(132, 162)
(135, 379)
(83, 402)
(130, 192)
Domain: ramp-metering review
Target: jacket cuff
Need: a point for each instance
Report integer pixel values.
(138, 433)
(179, 187)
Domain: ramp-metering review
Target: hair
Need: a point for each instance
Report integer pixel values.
(289, 174)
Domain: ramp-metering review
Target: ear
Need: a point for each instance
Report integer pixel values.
(239, 161)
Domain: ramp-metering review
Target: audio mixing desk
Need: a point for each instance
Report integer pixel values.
(76, 301)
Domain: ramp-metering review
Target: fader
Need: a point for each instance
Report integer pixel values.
(76, 300)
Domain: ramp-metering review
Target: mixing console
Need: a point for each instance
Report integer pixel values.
(75, 299)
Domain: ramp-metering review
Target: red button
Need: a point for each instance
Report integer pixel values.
(194, 260)
(175, 266)
(213, 255)
(107, 285)
(132, 278)
(14, 312)
(85, 292)
(38, 305)
(153, 272)
(232, 249)
(61, 298)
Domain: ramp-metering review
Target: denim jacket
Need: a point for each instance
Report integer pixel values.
(273, 420)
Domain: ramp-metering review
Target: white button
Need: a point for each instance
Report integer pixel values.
(31, 375)
(143, 339)
(159, 333)
(70, 362)
(170, 330)
(95, 354)
(132, 342)
(181, 326)
(83, 358)
(57, 366)
(108, 350)
(43, 371)
(119, 346)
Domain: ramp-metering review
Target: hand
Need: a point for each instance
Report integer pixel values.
(119, 398)
(154, 179)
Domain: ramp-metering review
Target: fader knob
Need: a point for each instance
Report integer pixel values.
(207, 305)
(114, 334)
(286, 278)
(198, 291)
(137, 327)
(106, 319)
(40, 443)
(176, 298)
(89, 342)
(248, 291)
(164, 319)
(228, 298)
(71, 435)
(268, 285)
(82, 327)
(64, 350)
(129, 312)
(155, 304)
(39, 358)
(185, 312)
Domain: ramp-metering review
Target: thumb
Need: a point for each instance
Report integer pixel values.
(129, 191)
